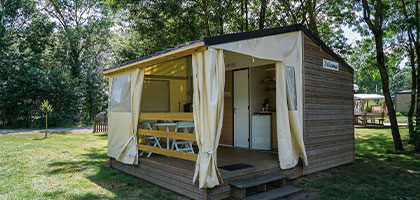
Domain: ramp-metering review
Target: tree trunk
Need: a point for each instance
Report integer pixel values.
(380, 57)
(46, 125)
(262, 14)
(418, 86)
(376, 29)
(242, 15)
(312, 18)
(246, 15)
(413, 94)
(220, 13)
(206, 16)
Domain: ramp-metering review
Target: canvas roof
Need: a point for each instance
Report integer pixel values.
(368, 96)
(227, 38)
(403, 92)
(355, 87)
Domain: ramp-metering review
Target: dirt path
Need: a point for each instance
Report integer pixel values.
(78, 130)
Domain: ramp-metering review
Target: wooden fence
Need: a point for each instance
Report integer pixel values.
(100, 124)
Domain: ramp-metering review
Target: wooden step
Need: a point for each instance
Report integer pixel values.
(275, 193)
(255, 181)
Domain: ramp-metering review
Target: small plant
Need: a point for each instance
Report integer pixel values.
(46, 108)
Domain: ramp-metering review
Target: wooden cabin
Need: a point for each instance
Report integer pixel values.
(235, 115)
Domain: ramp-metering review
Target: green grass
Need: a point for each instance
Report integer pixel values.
(71, 166)
(66, 166)
(377, 173)
(400, 119)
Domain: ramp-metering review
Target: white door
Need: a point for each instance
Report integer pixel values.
(241, 109)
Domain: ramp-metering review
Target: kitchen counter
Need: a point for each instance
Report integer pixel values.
(264, 112)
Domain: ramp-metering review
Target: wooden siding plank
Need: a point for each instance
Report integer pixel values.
(328, 112)
(312, 70)
(328, 133)
(329, 149)
(329, 107)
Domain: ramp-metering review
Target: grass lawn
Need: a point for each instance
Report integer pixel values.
(71, 166)
(66, 166)
(377, 174)
(400, 119)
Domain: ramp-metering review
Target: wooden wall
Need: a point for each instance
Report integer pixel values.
(226, 137)
(328, 111)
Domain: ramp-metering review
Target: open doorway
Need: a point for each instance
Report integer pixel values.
(249, 115)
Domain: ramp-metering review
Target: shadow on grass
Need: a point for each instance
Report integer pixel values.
(377, 174)
(101, 135)
(121, 185)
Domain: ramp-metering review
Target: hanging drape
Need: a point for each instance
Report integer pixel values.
(209, 82)
(123, 116)
(284, 49)
(289, 132)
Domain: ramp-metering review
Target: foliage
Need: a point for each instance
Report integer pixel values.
(46, 108)
(44, 56)
(57, 49)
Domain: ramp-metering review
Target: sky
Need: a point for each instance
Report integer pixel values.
(351, 35)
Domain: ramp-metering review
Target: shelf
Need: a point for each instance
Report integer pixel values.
(268, 82)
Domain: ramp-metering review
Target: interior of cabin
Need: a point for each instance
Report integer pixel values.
(249, 122)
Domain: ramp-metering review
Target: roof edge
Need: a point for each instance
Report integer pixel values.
(150, 60)
(221, 39)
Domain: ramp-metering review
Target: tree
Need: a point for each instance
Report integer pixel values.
(375, 21)
(263, 9)
(46, 108)
(82, 47)
(324, 18)
(411, 23)
(147, 22)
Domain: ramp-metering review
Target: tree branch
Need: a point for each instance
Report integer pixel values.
(366, 16)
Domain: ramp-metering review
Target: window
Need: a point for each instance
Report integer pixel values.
(291, 88)
(121, 94)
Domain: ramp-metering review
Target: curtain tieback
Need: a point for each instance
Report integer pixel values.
(211, 152)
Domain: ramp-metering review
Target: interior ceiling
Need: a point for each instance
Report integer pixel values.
(236, 61)
(177, 67)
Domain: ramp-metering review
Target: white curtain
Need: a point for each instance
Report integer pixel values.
(122, 124)
(289, 131)
(209, 82)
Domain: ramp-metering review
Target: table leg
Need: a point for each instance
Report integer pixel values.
(167, 139)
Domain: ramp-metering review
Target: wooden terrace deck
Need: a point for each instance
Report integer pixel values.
(177, 174)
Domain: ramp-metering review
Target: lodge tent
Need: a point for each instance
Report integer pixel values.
(200, 67)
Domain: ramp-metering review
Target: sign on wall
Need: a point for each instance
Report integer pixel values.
(328, 64)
